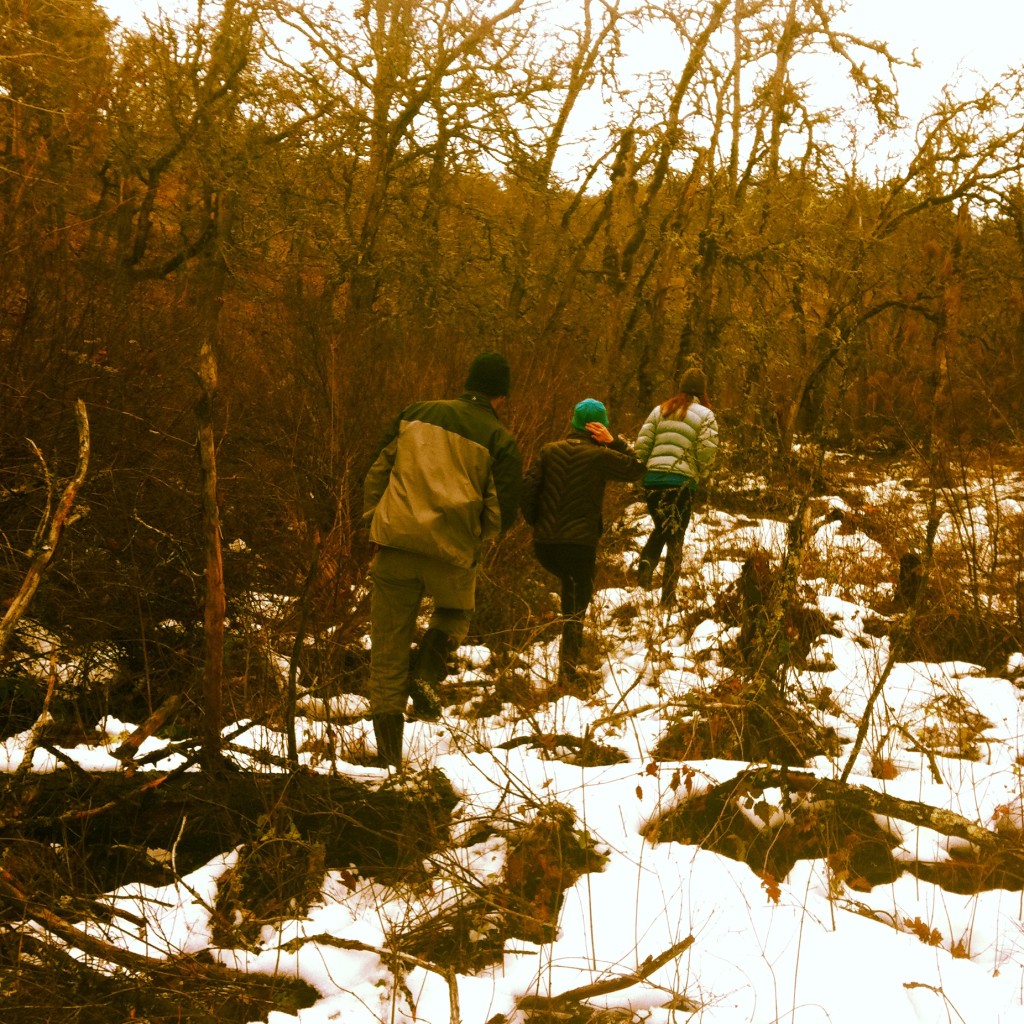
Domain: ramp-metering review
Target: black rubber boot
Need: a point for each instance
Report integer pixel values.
(569, 653)
(388, 729)
(429, 667)
(431, 661)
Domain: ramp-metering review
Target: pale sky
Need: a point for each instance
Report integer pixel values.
(983, 36)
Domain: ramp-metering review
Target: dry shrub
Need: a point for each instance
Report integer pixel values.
(333, 663)
(775, 628)
(513, 597)
(544, 858)
(893, 524)
(514, 681)
(953, 727)
(951, 632)
(21, 701)
(744, 720)
(467, 937)
(858, 568)
(937, 620)
(276, 877)
(40, 869)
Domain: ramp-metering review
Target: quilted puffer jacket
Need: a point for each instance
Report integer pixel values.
(687, 446)
(446, 479)
(563, 490)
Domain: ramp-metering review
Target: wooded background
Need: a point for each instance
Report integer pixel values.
(246, 238)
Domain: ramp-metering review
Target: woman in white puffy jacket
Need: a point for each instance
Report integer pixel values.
(677, 445)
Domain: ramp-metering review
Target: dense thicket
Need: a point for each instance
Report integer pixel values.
(271, 225)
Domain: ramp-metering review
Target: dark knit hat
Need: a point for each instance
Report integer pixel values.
(590, 410)
(694, 382)
(489, 374)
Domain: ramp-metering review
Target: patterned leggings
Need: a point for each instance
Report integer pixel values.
(670, 509)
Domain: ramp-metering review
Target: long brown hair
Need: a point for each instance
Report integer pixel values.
(676, 406)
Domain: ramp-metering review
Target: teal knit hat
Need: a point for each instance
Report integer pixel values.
(590, 410)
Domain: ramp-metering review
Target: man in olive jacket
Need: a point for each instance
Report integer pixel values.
(446, 479)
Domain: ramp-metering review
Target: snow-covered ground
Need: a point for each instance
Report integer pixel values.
(814, 951)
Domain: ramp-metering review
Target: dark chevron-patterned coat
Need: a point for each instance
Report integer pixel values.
(563, 490)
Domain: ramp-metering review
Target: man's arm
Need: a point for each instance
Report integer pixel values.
(508, 481)
(531, 490)
(376, 482)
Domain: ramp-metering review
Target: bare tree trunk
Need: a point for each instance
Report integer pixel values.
(215, 603)
(49, 533)
(213, 621)
(297, 647)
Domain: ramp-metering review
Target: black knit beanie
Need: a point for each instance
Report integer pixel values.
(694, 382)
(489, 374)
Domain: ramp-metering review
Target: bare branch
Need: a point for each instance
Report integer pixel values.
(61, 517)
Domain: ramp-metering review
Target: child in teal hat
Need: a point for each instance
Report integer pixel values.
(563, 494)
(590, 410)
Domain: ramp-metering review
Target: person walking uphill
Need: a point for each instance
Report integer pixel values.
(447, 478)
(677, 443)
(563, 492)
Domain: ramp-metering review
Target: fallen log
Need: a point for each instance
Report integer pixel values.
(129, 749)
(113, 824)
(832, 819)
(185, 987)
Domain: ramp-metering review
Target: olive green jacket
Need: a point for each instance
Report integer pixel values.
(447, 478)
